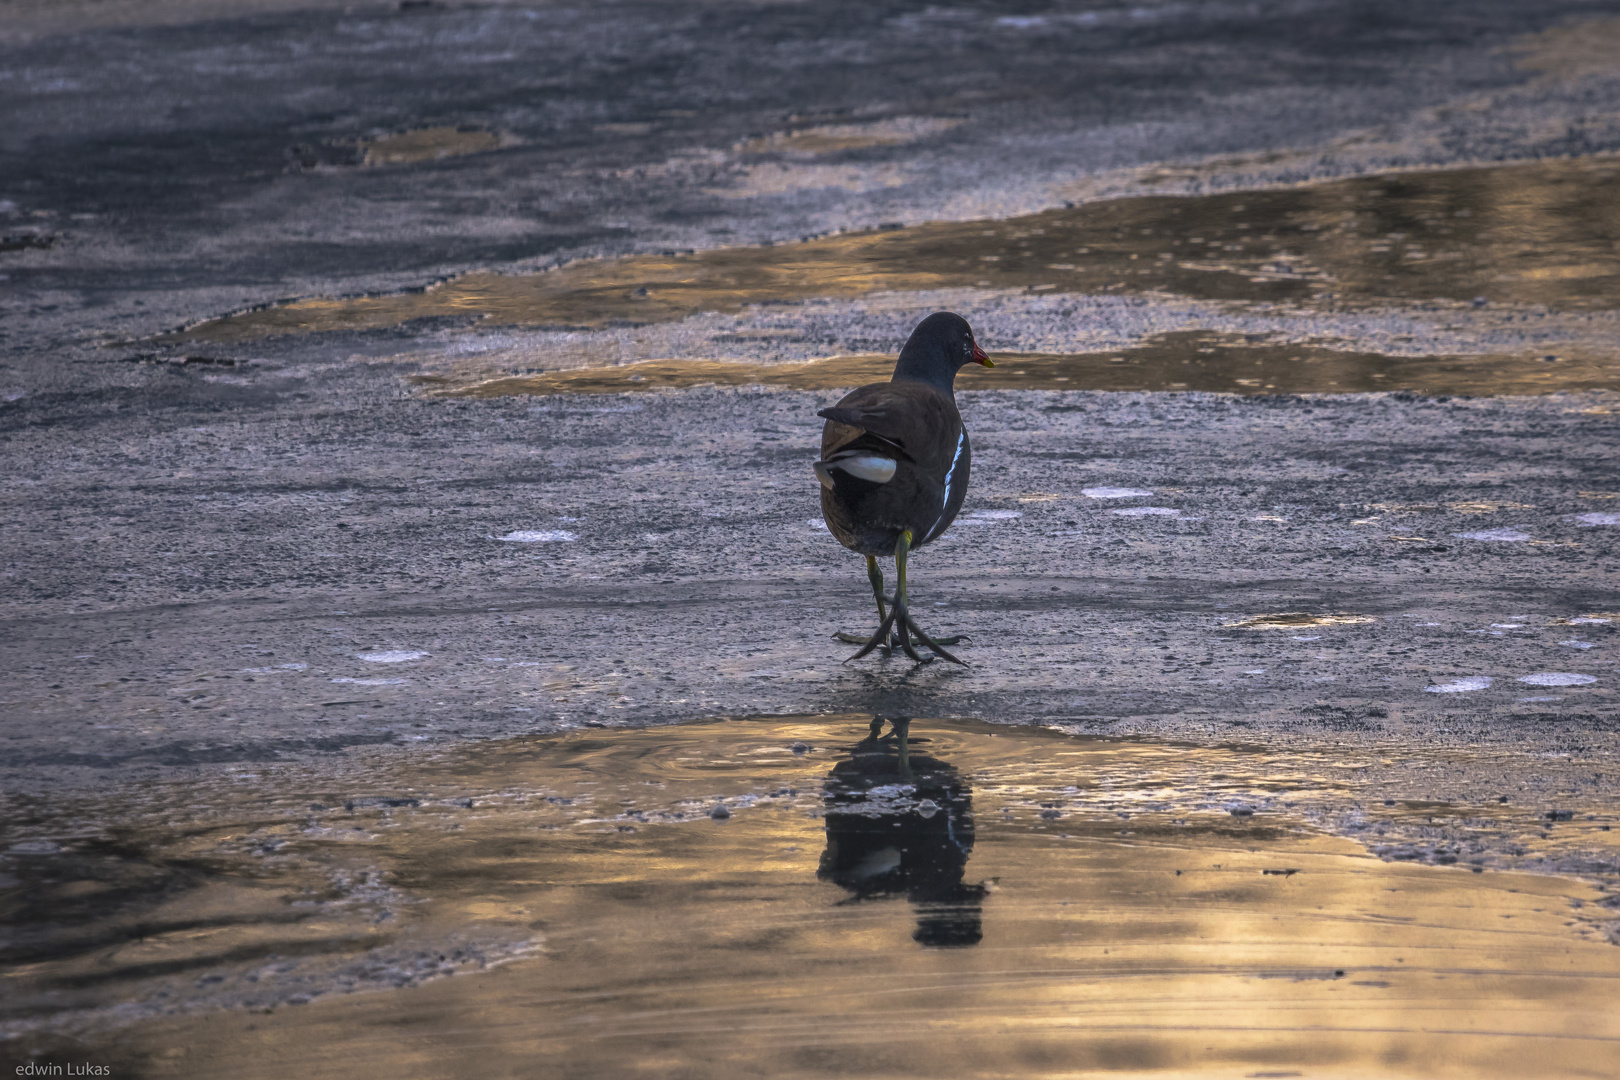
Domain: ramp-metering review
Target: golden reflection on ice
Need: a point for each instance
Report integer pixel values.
(426, 144)
(1048, 906)
(818, 139)
(1178, 360)
(1573, 51)
(1292, 620)
(1531, 233)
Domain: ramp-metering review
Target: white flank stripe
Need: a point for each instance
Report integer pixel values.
(949, 476)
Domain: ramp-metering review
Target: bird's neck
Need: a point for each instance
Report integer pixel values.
(914, 369)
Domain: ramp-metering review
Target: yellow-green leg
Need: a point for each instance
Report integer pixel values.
(874, 574)
(899, 616)
(901, 734)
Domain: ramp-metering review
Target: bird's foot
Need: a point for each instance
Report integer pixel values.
(894, 640)
(895, 633)
(854, 639)
(887, 647)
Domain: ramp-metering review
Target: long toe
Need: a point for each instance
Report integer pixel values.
(884, 647)
(878, 639)
(900, 625)
(893, 636)
(937, 646)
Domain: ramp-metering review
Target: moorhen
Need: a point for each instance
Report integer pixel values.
(894, 468)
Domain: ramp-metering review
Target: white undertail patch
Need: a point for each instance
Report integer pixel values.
(873, 467)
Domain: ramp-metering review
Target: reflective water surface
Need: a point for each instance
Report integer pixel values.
(426, 144)
(1533, 237)
(789, 897)
(1178, 360)
(1536, 233)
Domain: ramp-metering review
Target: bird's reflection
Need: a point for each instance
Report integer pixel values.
(901, 824)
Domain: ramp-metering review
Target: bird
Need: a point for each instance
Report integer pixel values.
(894, 469)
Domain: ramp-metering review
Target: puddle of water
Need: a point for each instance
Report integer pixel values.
(1026, 902)
(399, 148)
(836, 138)
(1180, 360)
(1588, 47)
(1538, 233)
(1290, 620)
(426, 144)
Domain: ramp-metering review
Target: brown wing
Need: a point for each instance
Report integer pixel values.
(913, 420)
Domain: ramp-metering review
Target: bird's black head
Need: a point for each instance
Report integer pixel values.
(937, 350)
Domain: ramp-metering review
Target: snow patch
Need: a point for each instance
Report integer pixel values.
(1558, 678)
(1113, 493)
(1494, 534)
(1460, 686)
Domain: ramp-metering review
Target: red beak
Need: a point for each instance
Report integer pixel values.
(979, 356)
